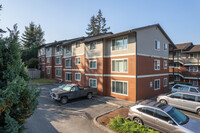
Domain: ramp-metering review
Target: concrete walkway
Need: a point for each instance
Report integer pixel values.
(113, 101)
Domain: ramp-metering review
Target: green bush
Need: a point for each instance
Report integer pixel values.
(121, 125)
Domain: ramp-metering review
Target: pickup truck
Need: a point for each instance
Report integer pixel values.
(65, 92)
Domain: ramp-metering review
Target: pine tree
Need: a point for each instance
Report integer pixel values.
(97, 25)
(1, 31)
(92, 27)
(17, 100)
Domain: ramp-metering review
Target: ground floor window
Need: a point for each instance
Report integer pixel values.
(156, 84)
(48, 71)
(42, 68)
(58, 72)
(77, 76)
(194, 82)
(120, 87)
(93, 83)
(177, 78)
(165, 82)
(68, 76)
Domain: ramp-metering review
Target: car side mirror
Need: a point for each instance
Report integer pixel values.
(170, 122)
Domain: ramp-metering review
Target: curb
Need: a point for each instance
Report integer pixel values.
(105, 129)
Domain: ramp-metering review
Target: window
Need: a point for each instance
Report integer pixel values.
(157, 45)
(78, 44)
(177, 78)
(78, 61)
(48, 71)
(176, 95)
(42, 58)
(58, 72)
(188, 97)
(193, 55)
(120, 87)
(165, 64)
(193, 68)
(68, 49)
(68, 63)
(68, 76)
(183, 88)
(92, 45)
(177, 65)
(58, 60)
(165, 82)
(161, 115)
(58, 48)
(156, 64)
(120, 43)
(42, 68)
(77, 76)
(48, 49)
(193, 90)
(198, 99)
(93, 83)
(93, 64)
(148, 111)
(194, 82)
(120, 65)
(165, 46)
(156, 84)
(48, 60)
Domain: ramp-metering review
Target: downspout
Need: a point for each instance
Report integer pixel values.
(103, 41)
(173, 63)
(136, 66)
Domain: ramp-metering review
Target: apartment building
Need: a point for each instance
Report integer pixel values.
(186, 63)
(130, 65)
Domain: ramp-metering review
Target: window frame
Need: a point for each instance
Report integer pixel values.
(166, 44)
(115, 85)
(164, 82)
(191, 68)
(70, 61)
(69, 50)
(60, 72)
(78, 44)
(114, 39)
(92, 61)
(156, 64)
(123, 65)
(90, 81)
(48, 60)
(192, 81)
(155, 84)
(94, 43)
(48, 71)
(66, 76)
(60, 61)
(76, 59)
(179, 79)
(42, 58)
(57, 49)
(43, 68)
(165, 65)
(155, 45)
(76, 78)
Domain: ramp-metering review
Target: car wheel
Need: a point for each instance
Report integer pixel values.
(89, 95)
(163, 101)
(64, 100)
(198, 111)
(138, 120)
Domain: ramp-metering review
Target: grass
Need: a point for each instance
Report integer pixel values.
(42, 81)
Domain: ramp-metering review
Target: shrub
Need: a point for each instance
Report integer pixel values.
(121, 125)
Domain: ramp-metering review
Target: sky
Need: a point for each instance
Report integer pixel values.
(66, 19)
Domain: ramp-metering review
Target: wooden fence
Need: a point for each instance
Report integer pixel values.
(34, 73)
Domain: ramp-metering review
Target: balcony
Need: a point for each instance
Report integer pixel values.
(192, 61)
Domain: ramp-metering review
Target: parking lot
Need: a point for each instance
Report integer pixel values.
(74, 117)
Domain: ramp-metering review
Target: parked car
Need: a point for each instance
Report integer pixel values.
(184, 100)
(163, 118)
(181, 87)
(66, 92)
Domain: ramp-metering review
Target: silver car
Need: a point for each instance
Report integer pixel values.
(184, 100)
(163, 118)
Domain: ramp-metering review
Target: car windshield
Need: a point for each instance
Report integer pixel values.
(178, 116)
(67, 88)
(61, 86)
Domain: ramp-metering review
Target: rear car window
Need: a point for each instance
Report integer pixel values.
(193, 90)
(188, 97)
(161, 115)
(147, 110)
(176, 95)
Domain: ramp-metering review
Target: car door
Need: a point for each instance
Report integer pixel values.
(175, 100)
(147, 116)
(162, 122)
(74, 92)
(188, 102)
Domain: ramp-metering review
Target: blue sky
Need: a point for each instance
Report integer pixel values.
(65, 19)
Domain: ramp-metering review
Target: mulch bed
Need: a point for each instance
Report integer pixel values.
(105, 119)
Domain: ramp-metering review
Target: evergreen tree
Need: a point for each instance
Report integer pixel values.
(97, 25)
(17, 100)
(1, 31)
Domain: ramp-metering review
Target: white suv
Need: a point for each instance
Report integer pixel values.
(181, 87)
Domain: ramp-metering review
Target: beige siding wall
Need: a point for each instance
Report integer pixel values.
(98, 52)
(64, 50)
(49, 53)
(79, 50)
(130, 50)
(146, 42)
(60, 52)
